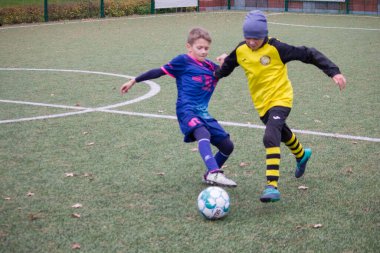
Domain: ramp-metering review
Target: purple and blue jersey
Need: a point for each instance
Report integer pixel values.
(195, 84)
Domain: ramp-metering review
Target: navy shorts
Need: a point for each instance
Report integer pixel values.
(189, 123)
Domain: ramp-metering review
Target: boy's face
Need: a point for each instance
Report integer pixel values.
(254, 44)
(199, 49)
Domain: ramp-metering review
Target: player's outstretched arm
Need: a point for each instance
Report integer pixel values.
(127, 86)
(340, 80)
(220, 58)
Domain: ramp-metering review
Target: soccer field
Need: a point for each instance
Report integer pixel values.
(68, 137)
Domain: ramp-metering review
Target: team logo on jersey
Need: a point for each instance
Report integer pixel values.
(265, 60)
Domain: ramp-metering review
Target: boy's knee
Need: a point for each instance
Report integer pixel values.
(226, 146)
(270, 141)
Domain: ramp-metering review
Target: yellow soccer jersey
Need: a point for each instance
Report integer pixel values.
(266, 71)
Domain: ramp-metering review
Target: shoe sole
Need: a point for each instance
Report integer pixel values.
(269, 200)
(208, 182)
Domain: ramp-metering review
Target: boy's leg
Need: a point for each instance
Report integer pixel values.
(214, 175)
(225, 148)
(274, 120)
(302, 155)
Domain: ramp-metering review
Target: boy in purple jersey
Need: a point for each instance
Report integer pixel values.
(196, 83)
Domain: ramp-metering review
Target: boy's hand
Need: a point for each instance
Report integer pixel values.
(125, 87)
(220, 59)
(340, 80)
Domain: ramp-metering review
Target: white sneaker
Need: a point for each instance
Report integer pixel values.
(218, 178)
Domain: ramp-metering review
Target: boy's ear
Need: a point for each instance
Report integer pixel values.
(188, 46)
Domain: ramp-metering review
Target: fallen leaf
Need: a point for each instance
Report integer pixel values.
(194, 149)
(90, 143)
(77, 104)
(69, 174)
(29, 194)
(302, 187)
(87, 174)
(326, 96)
(75, 215)
(224, 166)
(160, 173)
(354, 142)
(78, 205)
(75, 246)
(243, 164)
(33, 217)
(348, 171)
(317, 121)
(84, 133)
(160, 111)
(317, 225)
(7, 198)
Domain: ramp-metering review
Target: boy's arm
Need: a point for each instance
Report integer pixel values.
(151, 74)
(228, 64)
(310, 55)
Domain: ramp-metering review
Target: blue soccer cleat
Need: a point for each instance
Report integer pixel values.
(301, 165)
(270, 194)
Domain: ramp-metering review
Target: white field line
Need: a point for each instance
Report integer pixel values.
(149, 115)
(155, 88)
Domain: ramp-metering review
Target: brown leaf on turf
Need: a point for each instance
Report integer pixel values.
(77, 205)
(302, 187)
(30, 194)
(348, 170)
(194, 149)
(7, 198)
(33, 217)
(69, 174)
(317, 226)
(354, 142)
(243, 164)
(75, 246)
(84, 133)
(75, 215)
(160, 173)
(90, 143)
(224, 166)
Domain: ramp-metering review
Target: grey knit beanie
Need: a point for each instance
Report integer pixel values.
(255, 25)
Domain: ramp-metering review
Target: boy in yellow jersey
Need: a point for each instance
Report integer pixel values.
(264, 61)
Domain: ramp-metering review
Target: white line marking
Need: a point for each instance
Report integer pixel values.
(155, 88)
(326, 27)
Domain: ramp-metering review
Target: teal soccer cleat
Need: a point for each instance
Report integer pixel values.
(301, 165)
(270, 194)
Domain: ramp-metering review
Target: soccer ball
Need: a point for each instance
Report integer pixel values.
(213, 203)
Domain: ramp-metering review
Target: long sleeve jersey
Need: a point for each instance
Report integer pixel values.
(266, 71)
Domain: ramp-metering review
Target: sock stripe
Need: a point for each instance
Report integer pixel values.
(273, 150)
(289, 142)
(275, 173)
(203, 140)
(278, 156)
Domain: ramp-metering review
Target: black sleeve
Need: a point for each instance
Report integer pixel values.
(151, 74)
(307, 55)
(230, 63)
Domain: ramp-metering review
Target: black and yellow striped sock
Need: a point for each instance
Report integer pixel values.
(273, 165)
(295, 147)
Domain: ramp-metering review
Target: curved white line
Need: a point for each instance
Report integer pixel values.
(154, 89)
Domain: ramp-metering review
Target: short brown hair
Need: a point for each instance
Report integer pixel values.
(198, 33)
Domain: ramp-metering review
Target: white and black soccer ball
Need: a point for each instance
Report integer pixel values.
(213, 203)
